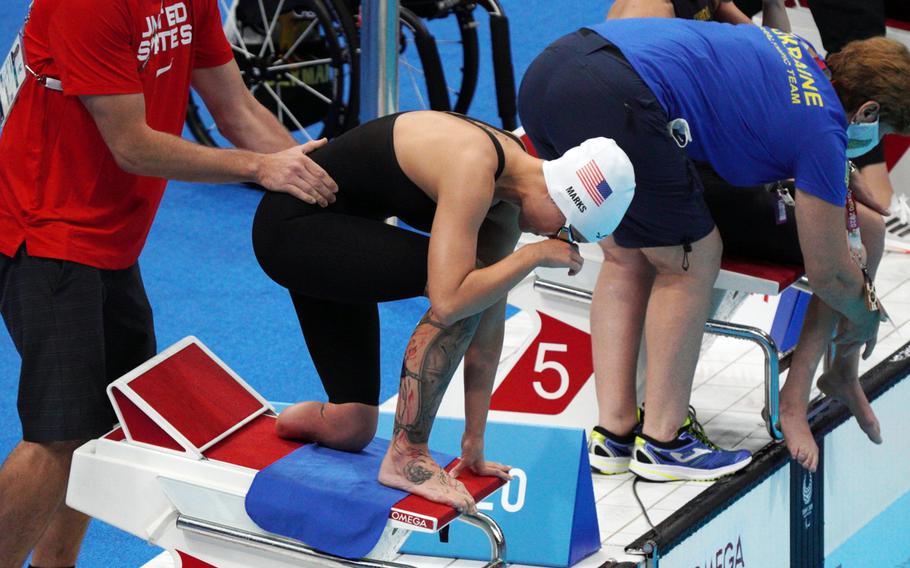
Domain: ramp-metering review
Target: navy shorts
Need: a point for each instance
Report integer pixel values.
(77, 329)
(582, 87)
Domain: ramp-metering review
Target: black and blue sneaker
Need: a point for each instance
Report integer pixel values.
(690, 457)
(608, 453)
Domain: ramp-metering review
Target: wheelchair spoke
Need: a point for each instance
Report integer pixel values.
(308, 88)
(410, 66)
(287, 110)
(412, 69)
(268, 37)
(242, 51)
(279, 49)
(412, 72)
(299, 64)
(271, 29)
(280, 107)
(297, 42)
(232, 19)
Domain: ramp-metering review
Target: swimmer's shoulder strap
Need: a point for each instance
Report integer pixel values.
(500, 154)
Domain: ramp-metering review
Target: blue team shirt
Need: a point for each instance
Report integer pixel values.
(759, 107)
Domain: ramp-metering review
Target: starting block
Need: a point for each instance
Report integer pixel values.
(176, 471)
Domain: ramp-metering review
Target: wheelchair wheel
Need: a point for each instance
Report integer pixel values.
(456, 43)
(437, 62)
(298, 58)
(422, 82)
(503, 70)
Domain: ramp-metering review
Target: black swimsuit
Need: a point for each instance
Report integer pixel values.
(339, 261)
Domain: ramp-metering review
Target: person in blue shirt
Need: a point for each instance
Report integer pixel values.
(756, 105)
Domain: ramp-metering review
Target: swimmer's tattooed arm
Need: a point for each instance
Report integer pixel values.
(432, 356)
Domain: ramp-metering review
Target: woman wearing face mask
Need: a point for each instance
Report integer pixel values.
(758, 106)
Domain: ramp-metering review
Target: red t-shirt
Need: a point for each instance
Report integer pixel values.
(61, 192)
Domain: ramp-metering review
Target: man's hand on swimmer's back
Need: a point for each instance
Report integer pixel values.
(292, 171)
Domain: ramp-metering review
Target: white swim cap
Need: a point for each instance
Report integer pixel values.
(592, 184)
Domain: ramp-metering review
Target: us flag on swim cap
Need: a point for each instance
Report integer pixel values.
(593, 179)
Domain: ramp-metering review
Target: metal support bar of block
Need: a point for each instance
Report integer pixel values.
(772, 366)
(379, 59)
(726, 329)
(494, 533)
(275, 544)
(297, 549)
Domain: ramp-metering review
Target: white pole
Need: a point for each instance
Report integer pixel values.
(378, 59)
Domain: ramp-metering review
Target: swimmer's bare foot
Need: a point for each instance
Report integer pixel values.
(798, 435)
(850, 392)
(410, 468)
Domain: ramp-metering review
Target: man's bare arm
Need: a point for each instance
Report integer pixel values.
(141, 150)
(728, 12)
(774, 15)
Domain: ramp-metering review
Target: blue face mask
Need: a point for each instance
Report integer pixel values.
(861, 138)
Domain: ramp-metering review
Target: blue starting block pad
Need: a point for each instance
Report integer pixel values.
(353, 507)
(546, 512)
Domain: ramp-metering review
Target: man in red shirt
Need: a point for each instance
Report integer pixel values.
(86, 151)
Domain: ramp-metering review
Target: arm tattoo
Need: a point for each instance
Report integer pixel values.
(430, 361)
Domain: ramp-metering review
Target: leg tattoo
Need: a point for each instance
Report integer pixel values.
(430, 361)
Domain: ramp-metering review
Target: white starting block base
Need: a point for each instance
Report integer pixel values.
(176, 471)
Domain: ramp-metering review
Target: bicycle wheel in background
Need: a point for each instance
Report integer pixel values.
(298, 60)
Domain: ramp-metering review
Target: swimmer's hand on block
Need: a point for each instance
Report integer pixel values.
(422, 515)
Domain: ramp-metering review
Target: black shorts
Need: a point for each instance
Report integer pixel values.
(582, 87)
(77, 329)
